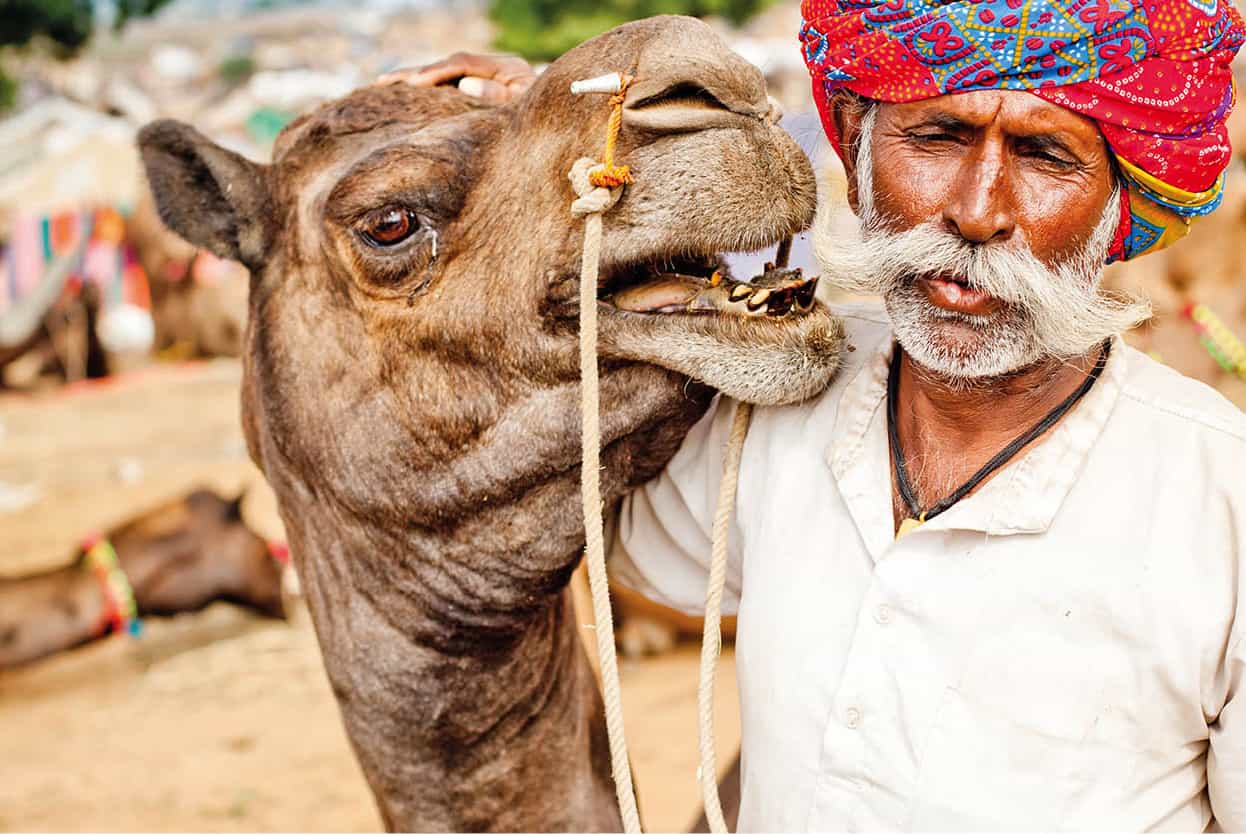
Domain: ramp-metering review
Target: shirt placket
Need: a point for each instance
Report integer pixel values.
(845, 776)
(917, 626)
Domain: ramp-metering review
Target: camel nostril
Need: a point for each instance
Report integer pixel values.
(681, 94)
(682, 106)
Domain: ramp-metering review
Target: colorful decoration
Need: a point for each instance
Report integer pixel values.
(95, 236)
(120, 610)
(1216, 338)
(1154, 74)
(280, 552)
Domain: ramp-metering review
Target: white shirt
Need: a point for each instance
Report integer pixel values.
(1063, 649)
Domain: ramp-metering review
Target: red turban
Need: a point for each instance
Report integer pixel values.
(1154, 75)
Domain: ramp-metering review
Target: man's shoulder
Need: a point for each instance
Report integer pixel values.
(866, 328)
(1172, 400)
(867, 314)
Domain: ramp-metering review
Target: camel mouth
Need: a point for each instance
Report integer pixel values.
(703, 286)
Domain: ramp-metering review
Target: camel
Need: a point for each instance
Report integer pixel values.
(179, 556)
(411, 384)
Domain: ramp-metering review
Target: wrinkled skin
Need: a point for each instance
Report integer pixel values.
(178, 557)
(415, 405)
(992, 167)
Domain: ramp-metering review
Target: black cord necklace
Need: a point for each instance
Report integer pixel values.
(918, 516)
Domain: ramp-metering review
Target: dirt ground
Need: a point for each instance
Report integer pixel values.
(216, 720)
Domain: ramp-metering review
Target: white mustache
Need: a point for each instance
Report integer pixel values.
(1063, 304)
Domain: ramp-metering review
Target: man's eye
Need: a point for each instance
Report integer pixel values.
(390, 227)
(934, 137)
(1052, 159)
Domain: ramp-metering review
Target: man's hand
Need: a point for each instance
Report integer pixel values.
(495, 79)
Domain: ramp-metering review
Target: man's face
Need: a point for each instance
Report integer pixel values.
(992, 167)
(986, 218)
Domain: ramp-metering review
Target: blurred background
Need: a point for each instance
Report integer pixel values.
(119, 408)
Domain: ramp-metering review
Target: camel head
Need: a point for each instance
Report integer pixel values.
(411, 382)
(415, 264)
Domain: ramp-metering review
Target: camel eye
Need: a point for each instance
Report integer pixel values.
(390, 227)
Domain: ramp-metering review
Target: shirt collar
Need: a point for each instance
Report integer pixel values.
(1023, 497)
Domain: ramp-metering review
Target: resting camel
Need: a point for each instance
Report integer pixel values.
(411, 384)
(178, 557)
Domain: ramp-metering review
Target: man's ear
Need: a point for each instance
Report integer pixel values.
(846, 112)
(212, 197)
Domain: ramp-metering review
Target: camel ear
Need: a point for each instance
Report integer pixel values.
(233, 512)
(212, 197)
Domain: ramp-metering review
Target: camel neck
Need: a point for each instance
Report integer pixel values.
(435, 552)
(459, 722)
(47, 613)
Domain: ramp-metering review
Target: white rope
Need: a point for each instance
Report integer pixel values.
(711, 638)
(592, 203)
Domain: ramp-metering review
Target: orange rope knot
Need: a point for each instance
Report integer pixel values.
(609, 175)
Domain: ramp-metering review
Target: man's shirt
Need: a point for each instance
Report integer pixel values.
(1061, 649)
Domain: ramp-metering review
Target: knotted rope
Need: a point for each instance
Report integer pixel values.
(598, 187)
(592, 203)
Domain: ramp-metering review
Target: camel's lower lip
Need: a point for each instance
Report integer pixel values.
(709, 290)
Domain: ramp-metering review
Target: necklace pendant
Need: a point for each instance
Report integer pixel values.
(907, 526)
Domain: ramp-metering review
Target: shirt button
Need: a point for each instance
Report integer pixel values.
(883, 614)
(852, 718)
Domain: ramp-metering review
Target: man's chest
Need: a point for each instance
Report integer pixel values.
(959, 679)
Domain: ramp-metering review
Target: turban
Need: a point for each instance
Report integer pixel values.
(1153, 74)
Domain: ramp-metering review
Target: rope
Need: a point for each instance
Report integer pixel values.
(593, 201)
(611, 175)
(598, 187)
(711, 638)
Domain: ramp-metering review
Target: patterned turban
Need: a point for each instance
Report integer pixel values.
(1154, 75)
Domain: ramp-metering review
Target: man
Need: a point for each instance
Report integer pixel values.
(995, 577)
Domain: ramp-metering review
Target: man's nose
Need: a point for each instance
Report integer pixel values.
(980, 207)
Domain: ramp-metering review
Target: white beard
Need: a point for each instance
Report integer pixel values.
(1054, 311)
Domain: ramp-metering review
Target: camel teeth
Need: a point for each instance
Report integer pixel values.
(740, 291)
(805, 294)
(780, 303)
(716, 278)
(758, 299)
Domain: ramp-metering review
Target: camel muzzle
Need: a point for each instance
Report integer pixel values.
(705, 289)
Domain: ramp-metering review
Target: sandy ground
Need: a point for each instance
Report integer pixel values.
(215, 720)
